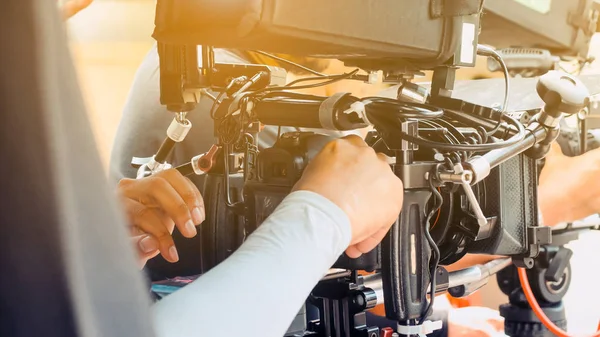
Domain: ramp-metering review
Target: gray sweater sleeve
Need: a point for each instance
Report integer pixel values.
(258, 290)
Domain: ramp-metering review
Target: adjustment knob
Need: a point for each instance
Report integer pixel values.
(562, 93)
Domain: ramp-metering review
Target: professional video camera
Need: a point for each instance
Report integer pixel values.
(470, 171)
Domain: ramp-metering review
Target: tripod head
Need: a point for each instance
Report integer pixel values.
(549, 280)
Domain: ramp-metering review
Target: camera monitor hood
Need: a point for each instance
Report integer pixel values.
(386, 33)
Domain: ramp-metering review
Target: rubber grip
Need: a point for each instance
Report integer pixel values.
(405, 260)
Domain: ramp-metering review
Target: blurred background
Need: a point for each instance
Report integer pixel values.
(109, 41)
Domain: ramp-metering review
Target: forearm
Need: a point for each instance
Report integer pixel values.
(261, 287)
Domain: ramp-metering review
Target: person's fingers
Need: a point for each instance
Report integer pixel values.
(152, 222)
(353, 252)
(189, 192)
(155, 191)
(146, 247)
(135, 231)
(355, 140)
(371, 242)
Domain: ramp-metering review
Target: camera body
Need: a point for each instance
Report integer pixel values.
(275, 173)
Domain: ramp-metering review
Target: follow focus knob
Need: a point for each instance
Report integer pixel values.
(562, 93)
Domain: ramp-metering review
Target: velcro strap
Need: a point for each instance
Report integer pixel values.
(326, 110)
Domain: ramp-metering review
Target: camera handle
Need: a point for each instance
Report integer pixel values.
(405, 255)
(405, 250)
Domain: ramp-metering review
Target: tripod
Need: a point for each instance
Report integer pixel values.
(549, 280)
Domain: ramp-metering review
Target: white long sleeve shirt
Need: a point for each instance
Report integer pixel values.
(261, 287)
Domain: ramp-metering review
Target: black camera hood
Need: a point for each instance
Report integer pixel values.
(383, 32)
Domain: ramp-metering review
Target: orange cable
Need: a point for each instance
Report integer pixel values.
(538, 310)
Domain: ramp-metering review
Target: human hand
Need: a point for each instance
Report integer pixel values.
(567, 189)
(350, 174)
(155, 205)
(72, 7)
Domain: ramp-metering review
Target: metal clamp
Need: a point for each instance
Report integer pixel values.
(203, 163)
(464, 178)
(148, 166)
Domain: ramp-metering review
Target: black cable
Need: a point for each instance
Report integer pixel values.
(490, 52)
(391, 123)
(456, 133)
(346, 76)
(216, 103)
(478, 138)
(449, 163)
(452, 129)
(401, 109)
(496, 128)
(218, 100)
(230, 127)
(434, 248)
(337, 79)
(446, 135)
(483, 133)
(205, 92)
(293, 95)
(281, 59)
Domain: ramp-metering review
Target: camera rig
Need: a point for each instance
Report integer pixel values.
(470, 172)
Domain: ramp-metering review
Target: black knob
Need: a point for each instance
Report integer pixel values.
(563, 93)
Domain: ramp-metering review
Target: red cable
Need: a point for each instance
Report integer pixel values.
(538, 310)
